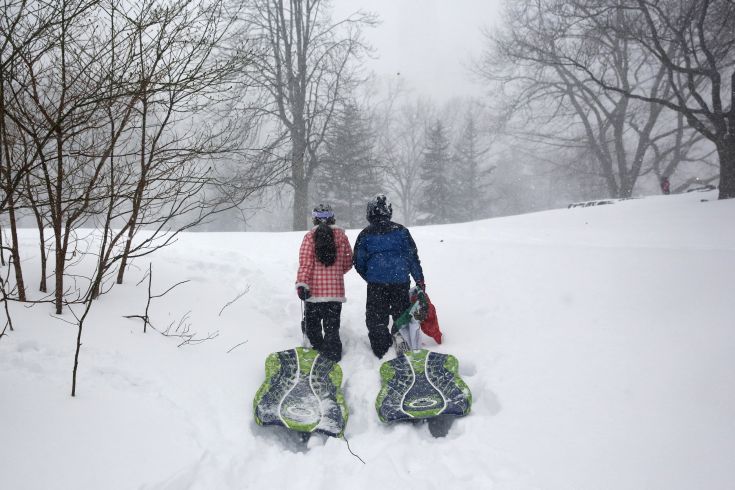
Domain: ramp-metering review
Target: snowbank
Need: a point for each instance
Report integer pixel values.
(598, 343)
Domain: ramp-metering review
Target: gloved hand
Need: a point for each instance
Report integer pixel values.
(303, 293)
(421, 285)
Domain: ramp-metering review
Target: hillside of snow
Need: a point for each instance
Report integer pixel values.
(599, 345)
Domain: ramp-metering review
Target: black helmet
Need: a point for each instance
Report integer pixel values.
(379, 208)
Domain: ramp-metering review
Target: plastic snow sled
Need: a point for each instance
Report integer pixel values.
(302, 392)
(420, 384)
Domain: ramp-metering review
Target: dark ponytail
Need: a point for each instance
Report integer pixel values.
(326, 248)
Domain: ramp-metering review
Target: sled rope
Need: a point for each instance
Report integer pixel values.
(303, 326)
(350, 450)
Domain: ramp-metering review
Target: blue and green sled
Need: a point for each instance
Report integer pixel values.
(302, 392)
(420, 384)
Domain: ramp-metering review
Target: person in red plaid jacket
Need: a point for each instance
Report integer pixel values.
(324, 258)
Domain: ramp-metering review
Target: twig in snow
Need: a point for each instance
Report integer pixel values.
(247, 289)
(145, 317)
(238, 345)
(182, 332)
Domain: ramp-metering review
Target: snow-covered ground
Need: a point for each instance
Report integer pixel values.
(599, 344)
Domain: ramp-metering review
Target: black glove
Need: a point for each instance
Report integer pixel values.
(421, 285)
(303, 292)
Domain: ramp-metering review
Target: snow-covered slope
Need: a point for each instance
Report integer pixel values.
(598, 344)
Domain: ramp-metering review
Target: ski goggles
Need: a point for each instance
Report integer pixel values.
(322, 214)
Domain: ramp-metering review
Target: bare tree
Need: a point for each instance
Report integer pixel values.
(114, 115)
(180, 133)
(693, 44)
(304, 64)
(21, 24)
(9, 187)
(402, 144)
(71, 86)
(118, 106)
(533, 55)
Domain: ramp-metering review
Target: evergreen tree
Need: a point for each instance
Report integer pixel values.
(471, 174)
(350, 173)
(436, 205)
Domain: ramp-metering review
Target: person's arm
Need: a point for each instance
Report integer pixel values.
(359, 258)
(346, 251)
(306, 261)
(414, 263)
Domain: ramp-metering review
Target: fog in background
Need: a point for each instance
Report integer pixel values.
(457, 111)
(439, 61)
(428, 44)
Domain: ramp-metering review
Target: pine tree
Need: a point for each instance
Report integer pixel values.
(471, 174)
(436, 206)
(350, 173)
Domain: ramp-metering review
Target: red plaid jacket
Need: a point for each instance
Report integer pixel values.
(325, 283)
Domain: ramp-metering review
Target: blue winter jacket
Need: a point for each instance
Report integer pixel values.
(385, 253)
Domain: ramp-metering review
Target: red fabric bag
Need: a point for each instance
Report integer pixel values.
(430, 324)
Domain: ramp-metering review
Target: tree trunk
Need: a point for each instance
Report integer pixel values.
(2, 249)
(608, 174)
(300, 204)
(137, 199)
(15, 251)
(104, 250)
(726, 152)
(41, 236)
(15, 248)
(10, 196)
(60, 257)
(43, 286)
(300, 185)
(60, 252)
(140, 188)
(407, 219)
(626, 185)
(102, 260)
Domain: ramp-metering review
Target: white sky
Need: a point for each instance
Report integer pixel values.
(428, 43)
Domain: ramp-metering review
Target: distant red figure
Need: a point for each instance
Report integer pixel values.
(665, 185)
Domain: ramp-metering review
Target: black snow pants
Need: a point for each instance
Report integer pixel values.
(322, 328)
(384, 301)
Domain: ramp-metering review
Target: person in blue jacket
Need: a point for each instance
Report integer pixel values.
(385, 255)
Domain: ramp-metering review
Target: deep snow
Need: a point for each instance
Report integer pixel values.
(598, 344)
